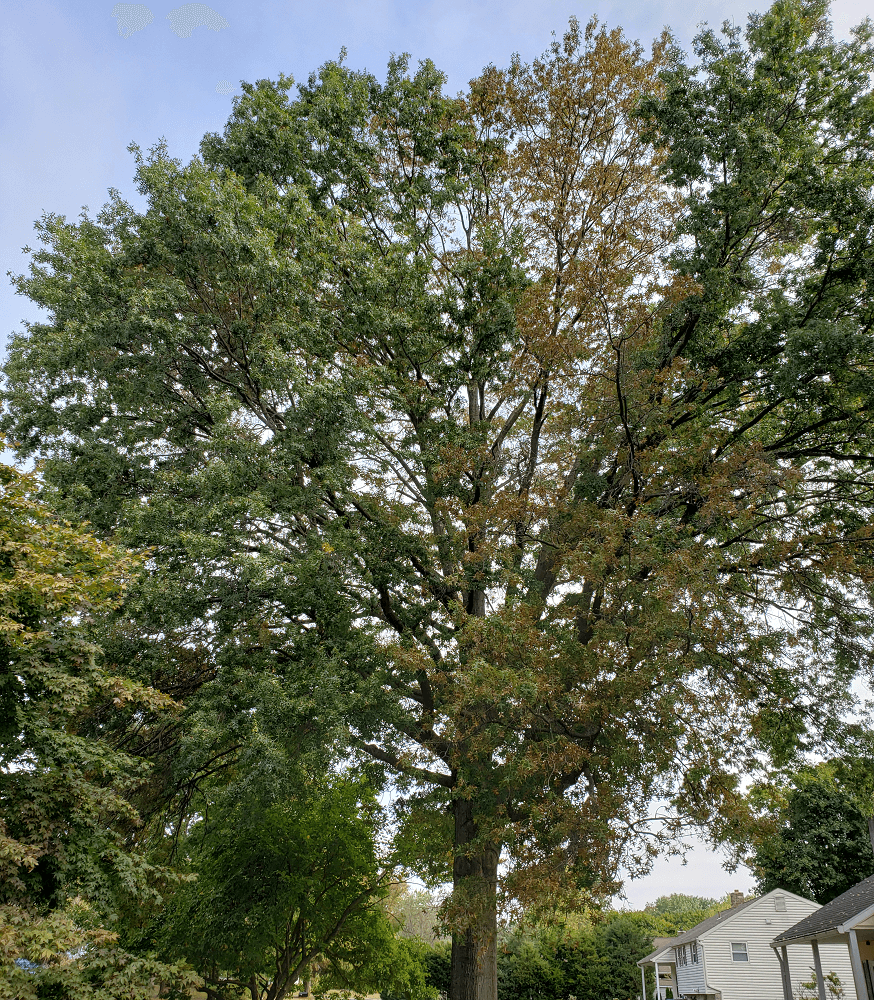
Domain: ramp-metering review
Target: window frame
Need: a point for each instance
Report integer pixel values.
(734, 954)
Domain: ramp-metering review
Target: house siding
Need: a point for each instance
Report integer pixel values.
(690, 977)
(759, 978)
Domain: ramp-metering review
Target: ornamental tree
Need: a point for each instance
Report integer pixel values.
(67, 862)
(526, 432)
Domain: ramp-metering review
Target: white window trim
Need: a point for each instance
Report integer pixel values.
(745, 952)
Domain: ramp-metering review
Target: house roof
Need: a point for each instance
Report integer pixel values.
(661, 944)
(838, 912)
(695, 932)
(707, 925)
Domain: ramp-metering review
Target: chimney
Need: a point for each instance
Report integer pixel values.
(736, 898)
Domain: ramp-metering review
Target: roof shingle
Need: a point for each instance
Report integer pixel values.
(831, 916)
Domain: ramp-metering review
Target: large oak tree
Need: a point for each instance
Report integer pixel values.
(529, 431)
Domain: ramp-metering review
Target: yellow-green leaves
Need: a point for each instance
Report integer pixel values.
(63, 859)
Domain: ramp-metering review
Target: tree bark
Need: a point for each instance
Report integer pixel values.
(474, 973)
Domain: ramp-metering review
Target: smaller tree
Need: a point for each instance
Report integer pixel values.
(67, 860)
(416, 913)
(817, 842)
(289, 884)
(624, 940)
(678, 912)
(552, 962)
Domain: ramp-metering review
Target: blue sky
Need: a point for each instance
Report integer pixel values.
(74, 93)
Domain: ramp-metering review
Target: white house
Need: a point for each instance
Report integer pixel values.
(729, 956)
(662, 961)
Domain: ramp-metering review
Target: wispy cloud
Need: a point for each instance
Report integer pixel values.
(131, 17)
(189, 16)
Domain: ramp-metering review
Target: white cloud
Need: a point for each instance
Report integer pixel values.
(131, 17)
(189, 16)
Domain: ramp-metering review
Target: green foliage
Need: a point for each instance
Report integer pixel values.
(670, 915)
(625, 939)
(589, 961)
(413, 970)
(817, 842)
(83, 875)
(679, 904)
(268, 854)
(67, 858)
(438, 967)
(589, 958)
(834, 988)
(287, 881)
(529, 450)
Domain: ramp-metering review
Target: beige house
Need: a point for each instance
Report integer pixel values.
(730, 956)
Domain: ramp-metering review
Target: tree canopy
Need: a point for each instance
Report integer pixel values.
(67, 861)
(523, 435)
(682, 911)
(278, 871)
(288, 882)
(817, 842)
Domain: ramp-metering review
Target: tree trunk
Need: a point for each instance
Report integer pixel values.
(474, 973)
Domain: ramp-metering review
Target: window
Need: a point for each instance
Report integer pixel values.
(780, 904)
(739, 951)
(694, 949)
